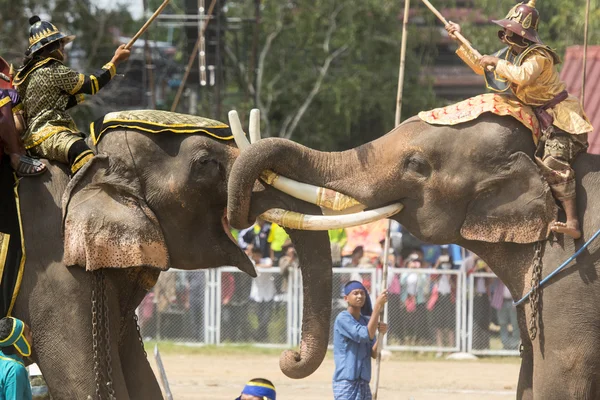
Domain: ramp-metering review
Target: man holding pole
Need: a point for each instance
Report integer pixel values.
(354, 342)
(526, 69)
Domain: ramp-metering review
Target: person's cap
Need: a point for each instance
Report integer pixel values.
(261, 390)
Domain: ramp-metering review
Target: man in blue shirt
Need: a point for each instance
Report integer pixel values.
(354, 343)
(15, 343)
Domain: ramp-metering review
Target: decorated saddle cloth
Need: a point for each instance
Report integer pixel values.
(470, 109)
(155, 121)
(12, 246)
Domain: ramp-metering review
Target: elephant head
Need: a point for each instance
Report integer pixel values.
(466, 184)
(152, 200)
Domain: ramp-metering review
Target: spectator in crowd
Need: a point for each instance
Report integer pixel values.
(262, 293)
(277, 239)
(258, 389)
(16, 341)
(414, 289)
(442, 312)
(145, 313)
(165, 295)
(235, 297)
(502, 302)
(197, 286)
(481, 302)
(338, 239)
(257, 235)
(394, 302)
(287, 266)
(354, 342)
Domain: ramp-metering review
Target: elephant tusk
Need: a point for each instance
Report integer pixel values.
(236, 129)
(254, 127)
(294, 220)
(322, 197)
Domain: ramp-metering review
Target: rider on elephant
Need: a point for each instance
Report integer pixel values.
(11, 123)
(49, 88)
(526, 68)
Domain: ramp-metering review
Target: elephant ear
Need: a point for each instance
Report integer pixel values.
(515, 205)
(107, 223)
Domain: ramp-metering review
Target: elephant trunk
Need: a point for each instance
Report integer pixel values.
(315, 262)
(294, 161)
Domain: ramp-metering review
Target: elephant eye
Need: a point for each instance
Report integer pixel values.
(417, 164)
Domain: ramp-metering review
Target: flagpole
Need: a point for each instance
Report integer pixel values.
(386, 246)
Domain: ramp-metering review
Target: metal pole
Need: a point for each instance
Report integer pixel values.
(585, 45)
(386, 247)
(192, 58)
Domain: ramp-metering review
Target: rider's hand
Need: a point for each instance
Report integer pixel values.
(489, 61)
(121, 54)
(451, 28)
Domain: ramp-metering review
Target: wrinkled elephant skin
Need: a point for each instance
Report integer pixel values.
(475, 185)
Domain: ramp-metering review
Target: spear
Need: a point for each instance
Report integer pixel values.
(386, 246)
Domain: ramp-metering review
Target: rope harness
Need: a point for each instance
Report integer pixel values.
(537, 282)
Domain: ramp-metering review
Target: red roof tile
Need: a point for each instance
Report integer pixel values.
(571, 75)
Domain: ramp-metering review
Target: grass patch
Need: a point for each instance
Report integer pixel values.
(172, 348)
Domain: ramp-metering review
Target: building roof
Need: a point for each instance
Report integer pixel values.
(571, 75)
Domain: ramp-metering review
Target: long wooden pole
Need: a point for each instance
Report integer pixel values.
(147, 24)
(458, 35)
(585, 46)
(386, 246)
(192, 58)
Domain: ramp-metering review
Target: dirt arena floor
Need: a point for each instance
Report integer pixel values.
(199, 374)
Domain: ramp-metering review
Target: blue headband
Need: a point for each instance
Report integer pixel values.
(366, 309)
(259, 389)
(17, 338)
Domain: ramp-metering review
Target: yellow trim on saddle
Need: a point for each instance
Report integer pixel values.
(4, 242)
(18, 79)
(4, 101)
(23, 255)
(129, 123)
(80, 80)
(17, 108)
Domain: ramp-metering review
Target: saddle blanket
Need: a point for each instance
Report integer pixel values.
(156, 121)
(472, 108)
(12, 246)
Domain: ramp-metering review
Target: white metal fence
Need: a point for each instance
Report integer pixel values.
(428, 310)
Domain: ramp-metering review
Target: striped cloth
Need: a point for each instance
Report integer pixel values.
(351, 390)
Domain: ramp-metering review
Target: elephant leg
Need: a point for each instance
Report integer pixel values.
(61, 322)
(139, 377)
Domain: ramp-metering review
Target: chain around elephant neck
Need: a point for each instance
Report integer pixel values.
(536, 277)
(100, 333)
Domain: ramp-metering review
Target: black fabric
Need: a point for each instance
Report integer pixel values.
(9, 223)
(99, 128)
(76, 149)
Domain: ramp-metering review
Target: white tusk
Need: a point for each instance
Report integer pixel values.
(236, 129)
(254, 127)
(294, 220)
(322, 197)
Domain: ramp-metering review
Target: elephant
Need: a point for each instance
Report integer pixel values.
(146, 202)
(476, 185)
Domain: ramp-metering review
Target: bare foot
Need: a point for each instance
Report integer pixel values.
(568, 228)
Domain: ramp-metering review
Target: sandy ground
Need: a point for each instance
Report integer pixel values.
(199, 376)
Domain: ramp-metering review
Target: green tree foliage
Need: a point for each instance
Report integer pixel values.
(328, 70)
